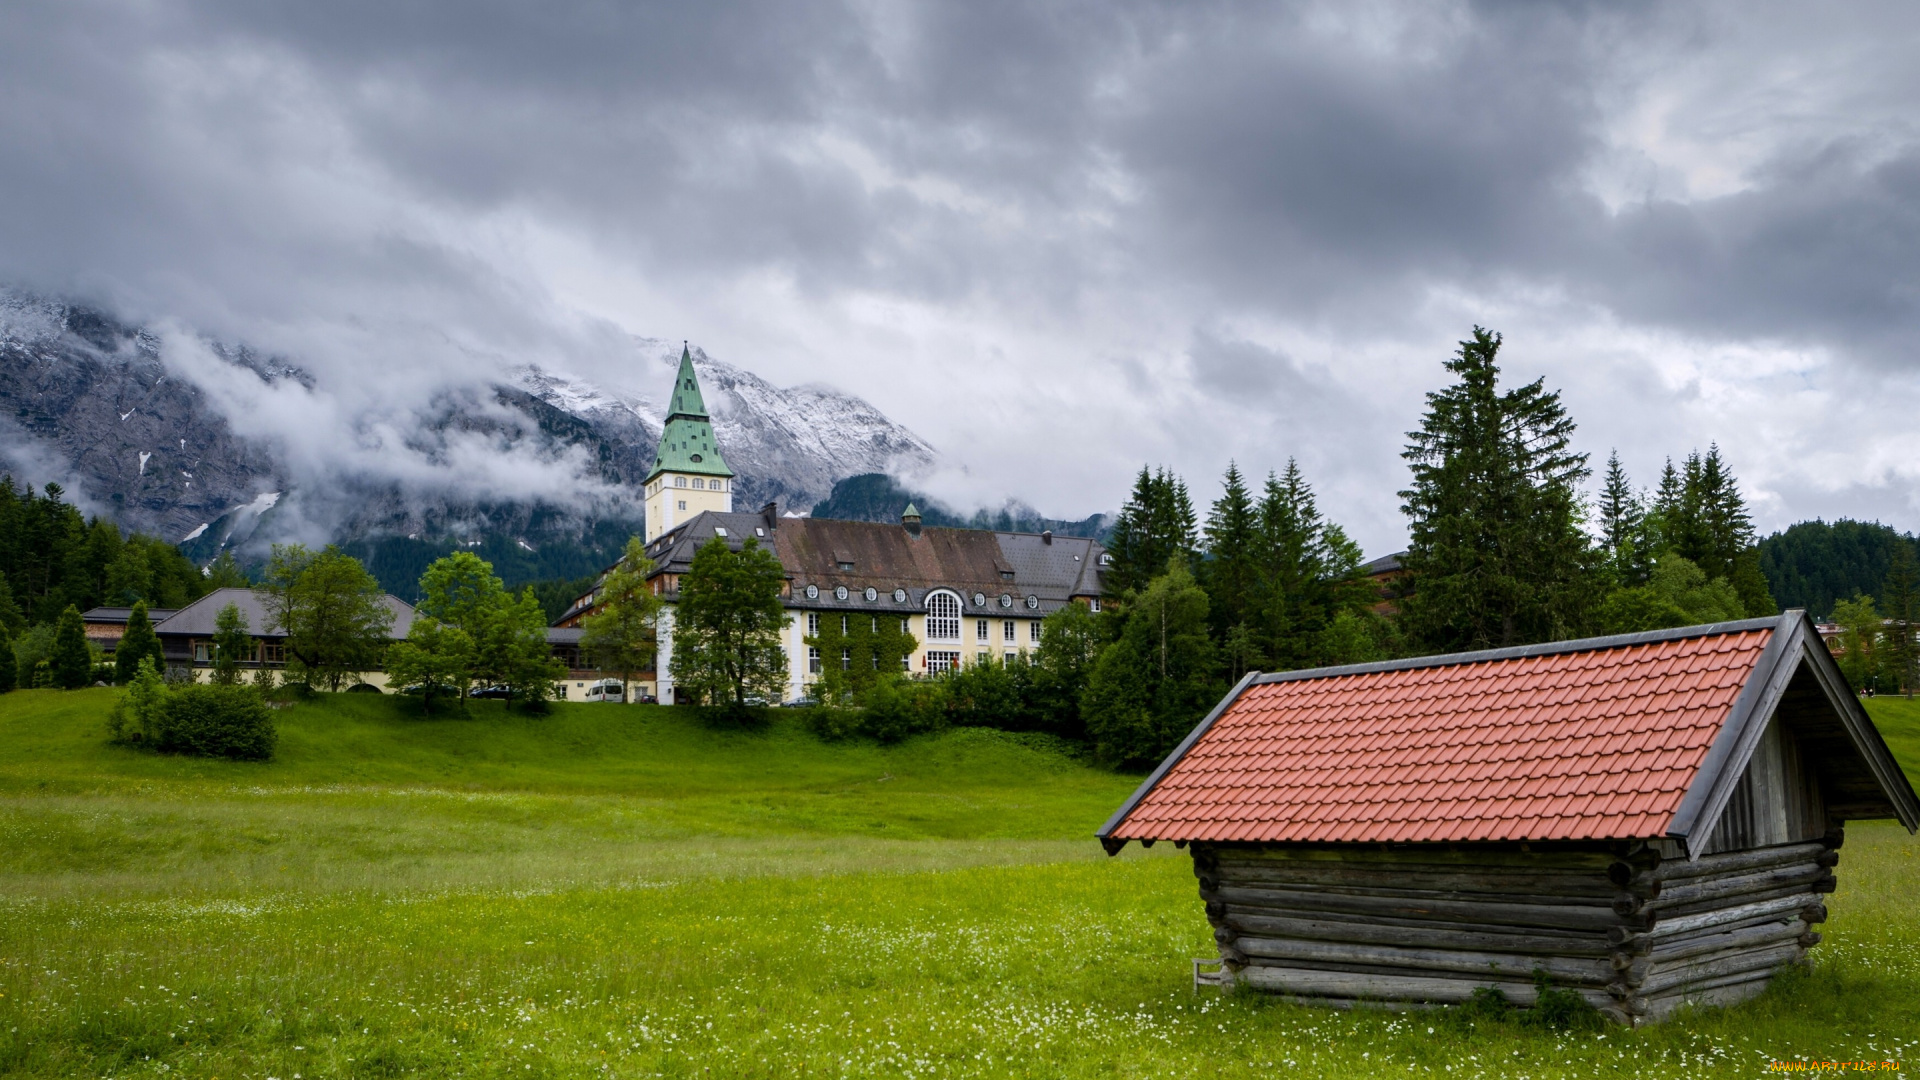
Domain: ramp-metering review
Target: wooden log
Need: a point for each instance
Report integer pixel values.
(1235, 912)
(1577, 972)
(1738, 861)
(1645, 940)
(1682, 910)
(1828, 859)
(1418, 855)
(1343, 879)
(1746, 937)
(1564, 916)
(1627, 872)
(1677, 925)
(1721, 994)
(1721, 967)
(1697, 889)
(1594, 898)
(1815, 912)
(1356, 986)
(1452, 936)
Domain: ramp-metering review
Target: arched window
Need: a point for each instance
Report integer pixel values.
(943, 617)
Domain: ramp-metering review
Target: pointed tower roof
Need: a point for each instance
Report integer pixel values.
(686, 390)
(686, 442)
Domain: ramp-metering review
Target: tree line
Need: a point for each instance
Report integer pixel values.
(56, 563)
(1505, 548)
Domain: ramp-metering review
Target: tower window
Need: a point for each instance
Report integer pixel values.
(679, 481)
(698, 483)
(683, 504)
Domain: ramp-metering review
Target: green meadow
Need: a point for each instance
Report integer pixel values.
(615, 891)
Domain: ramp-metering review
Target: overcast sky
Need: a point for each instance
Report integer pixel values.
(1057, 240)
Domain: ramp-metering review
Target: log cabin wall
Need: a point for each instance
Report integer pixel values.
(1776, 802)
(1635, 934)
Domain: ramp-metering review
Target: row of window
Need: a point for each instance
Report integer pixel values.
(1008, 633)
(980, 600)
(698, 483)
(266, 654)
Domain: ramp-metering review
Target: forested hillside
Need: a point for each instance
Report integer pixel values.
(1816, 564)
(878, 497)
(51, 556)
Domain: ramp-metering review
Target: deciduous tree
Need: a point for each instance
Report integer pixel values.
(1150, 687)
(726, 627)
(622, 636)
(331, 611)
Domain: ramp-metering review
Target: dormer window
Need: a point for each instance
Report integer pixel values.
(845, 567)
(1006, 575)
(718, 531)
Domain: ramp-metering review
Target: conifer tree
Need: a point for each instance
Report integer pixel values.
(1156, 524)
(138, 643)
(71, 662)
(1623, 526)
(1310, 576)
(232, 645)
(1497, 554)
(1233, 569)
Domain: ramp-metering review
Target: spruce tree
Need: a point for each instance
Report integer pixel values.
(232, 645)
(1310, 575)
(1233, 568)
(71, 662)
(1156, 524)
(138, 643)
(1497, 555)
(1622, 526)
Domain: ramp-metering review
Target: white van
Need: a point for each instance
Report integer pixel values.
(606, 690)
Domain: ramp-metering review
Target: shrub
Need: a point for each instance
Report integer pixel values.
(897, 708)
(215, 721)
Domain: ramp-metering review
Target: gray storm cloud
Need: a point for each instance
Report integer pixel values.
(1057, 240)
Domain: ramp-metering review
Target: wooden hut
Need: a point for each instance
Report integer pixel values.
(1649, 820)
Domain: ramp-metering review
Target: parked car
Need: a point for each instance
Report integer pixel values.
(799, 703)
(363, 688)
(489, 692)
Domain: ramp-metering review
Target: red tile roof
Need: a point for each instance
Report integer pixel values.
(1586, 745)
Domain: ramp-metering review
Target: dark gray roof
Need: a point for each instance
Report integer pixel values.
(197, 618)
(1385, 564)
(888, 559)
(564, 635)
(122, 614)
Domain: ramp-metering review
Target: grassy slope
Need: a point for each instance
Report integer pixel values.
(618, 892)
(364, 795)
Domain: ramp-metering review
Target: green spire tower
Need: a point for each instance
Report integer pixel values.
(688, 475)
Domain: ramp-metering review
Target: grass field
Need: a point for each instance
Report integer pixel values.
(619, 892)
